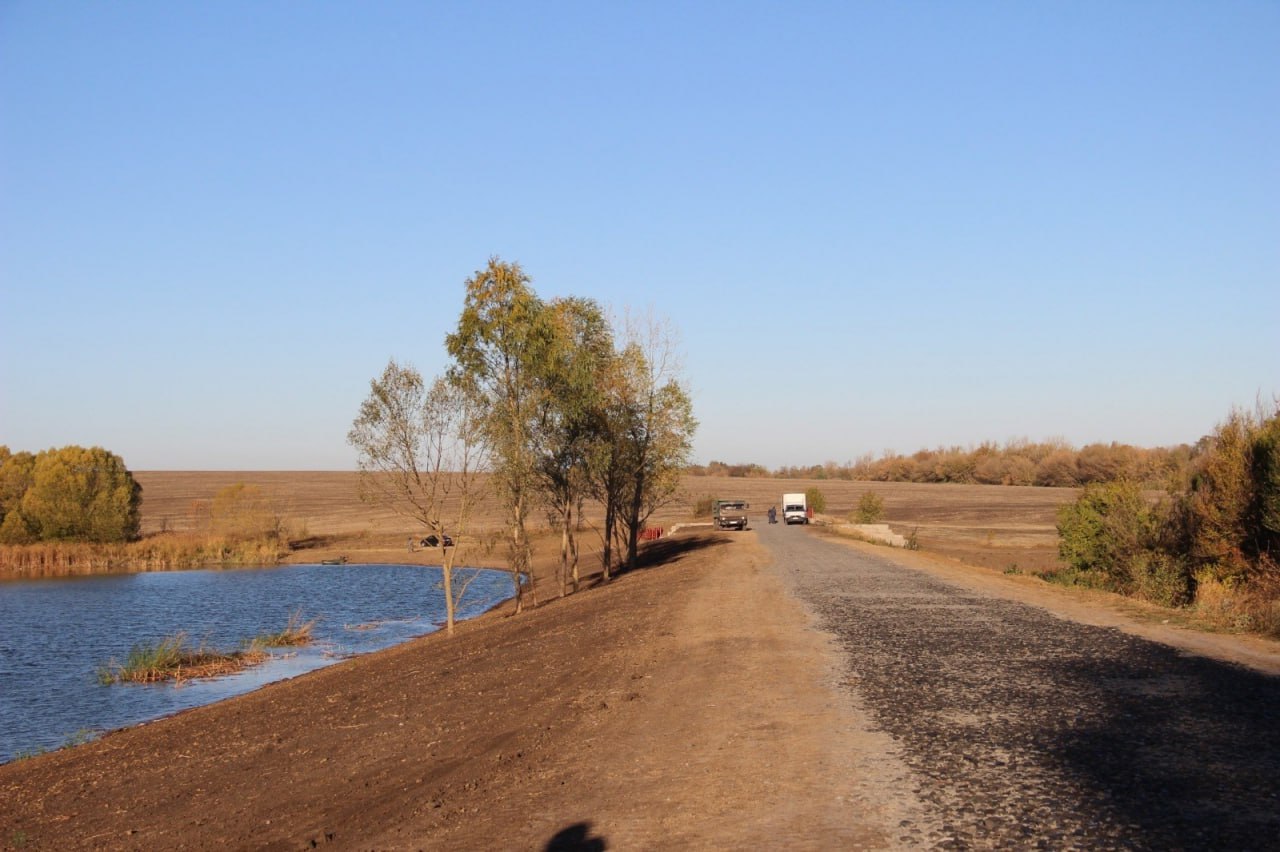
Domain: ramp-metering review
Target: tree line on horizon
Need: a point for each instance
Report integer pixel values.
(1052, 463)
(550, 401)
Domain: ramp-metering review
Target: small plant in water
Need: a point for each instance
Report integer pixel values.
(80, 737)
(172, 659)
(28, 753)
(296, 632)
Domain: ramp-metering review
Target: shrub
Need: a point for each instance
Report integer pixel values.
(1264, 509)
(1161, 577)
(1233, 506)
(704, 506)
(870, 508)
(1058, 470)
(1105, 530)
(815, 500)
(243, 512)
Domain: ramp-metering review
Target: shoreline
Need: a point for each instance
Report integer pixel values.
(109, 713)
(458, 707)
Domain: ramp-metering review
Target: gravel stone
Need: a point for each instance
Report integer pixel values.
(1024, 730)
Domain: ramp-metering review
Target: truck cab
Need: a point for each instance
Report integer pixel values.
(731, 514)
(794, 509)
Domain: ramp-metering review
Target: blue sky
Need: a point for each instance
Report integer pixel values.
(876, 225)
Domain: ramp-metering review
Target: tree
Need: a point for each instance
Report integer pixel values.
(870, 508)
(815, 500)
(1219, 498)
(15, 478)
(1264, 510)
(569, 423)
(503, 336)
(422, 454)
(649, 430)
(79, 494)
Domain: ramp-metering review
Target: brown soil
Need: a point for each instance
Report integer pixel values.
(636, 713)
(991, 526)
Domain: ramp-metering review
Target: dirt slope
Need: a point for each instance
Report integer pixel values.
(683, 705)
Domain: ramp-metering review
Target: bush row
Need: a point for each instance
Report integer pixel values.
(1213, 542)
(1049, 463)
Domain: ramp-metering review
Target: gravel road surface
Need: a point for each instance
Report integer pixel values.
(1021, 730)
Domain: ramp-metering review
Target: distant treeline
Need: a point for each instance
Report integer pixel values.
(1053, 463)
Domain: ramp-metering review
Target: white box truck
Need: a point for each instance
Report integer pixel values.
(794, 510)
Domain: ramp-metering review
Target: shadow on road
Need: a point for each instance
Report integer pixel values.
(665, 551)
(1186, 748)
(576, 838)
(1025, 729)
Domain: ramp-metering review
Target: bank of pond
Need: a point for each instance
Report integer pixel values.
(68, 644)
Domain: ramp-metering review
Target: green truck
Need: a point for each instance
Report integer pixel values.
(731, 514)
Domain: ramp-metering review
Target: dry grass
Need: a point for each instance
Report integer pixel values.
(991, 526)
(159, 552)
(297, 632)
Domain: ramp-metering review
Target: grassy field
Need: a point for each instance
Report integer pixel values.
(992, 526)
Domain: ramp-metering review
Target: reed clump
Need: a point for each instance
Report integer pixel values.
(163, 552)
(296, 632)
(173, 658)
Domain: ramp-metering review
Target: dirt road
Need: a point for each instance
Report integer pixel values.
(1022, 728)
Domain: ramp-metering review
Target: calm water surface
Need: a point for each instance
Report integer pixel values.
(56, 634)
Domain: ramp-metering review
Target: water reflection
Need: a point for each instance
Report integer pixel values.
(56, 634)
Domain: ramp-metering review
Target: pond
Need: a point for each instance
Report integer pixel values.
(55, 636)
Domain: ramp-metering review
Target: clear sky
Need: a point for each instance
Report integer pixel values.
(877, 225)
